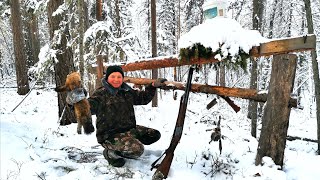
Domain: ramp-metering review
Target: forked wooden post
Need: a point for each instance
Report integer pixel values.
(275, 120)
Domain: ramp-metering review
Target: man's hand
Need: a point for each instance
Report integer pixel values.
(159, 82)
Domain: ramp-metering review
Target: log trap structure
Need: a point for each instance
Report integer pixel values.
(276, 114)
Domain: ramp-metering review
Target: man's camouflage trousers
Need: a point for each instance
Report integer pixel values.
(130, 144)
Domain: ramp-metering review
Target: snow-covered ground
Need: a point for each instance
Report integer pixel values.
(34, 146)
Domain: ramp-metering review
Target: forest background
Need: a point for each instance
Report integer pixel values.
(78, 35)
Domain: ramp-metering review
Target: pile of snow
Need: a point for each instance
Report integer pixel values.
(222, 33)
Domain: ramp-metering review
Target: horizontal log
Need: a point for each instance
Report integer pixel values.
(219, 90)
(281, 46)
(284, 46)
(164, 62)
(292, 138)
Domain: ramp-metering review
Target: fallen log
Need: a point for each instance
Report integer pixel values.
(292, 138)
(251, 94)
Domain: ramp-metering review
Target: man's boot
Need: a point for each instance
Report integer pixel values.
(113, 159)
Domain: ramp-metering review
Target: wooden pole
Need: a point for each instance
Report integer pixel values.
(275, 120)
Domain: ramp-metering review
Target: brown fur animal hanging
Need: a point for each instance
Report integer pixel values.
(77, 97)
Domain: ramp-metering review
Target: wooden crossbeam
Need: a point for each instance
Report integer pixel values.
(280, 46)
(284, 46)
(165, 62)
(219, 90)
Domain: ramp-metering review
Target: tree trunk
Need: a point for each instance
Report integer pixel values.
(290, 20)
(86, 15)
(271, 22)
(275, 119)
(315, 68)
(19, 49)
(99, 57)
(222, 77)
(253, 105)
(99, 10)
(32, 36)
(178, 33)
(117, 18)
(257, 17)
(64, 59)
(119, 29)
(301, 61)
(90, 84)
(1, 65)
(81, 34)
(154, 45)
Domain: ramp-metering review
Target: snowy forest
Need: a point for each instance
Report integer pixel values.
(42, 41)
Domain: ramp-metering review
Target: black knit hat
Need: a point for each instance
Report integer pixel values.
(112, 69)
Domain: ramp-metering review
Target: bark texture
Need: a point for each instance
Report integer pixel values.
(275, 120)
(19, 49)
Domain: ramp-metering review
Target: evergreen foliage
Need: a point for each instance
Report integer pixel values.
(199, 51)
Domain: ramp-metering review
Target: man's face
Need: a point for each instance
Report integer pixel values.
(115, 79)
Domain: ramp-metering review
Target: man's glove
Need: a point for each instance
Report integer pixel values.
(159, 82)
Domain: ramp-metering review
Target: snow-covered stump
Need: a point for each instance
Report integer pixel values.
(275, 120)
